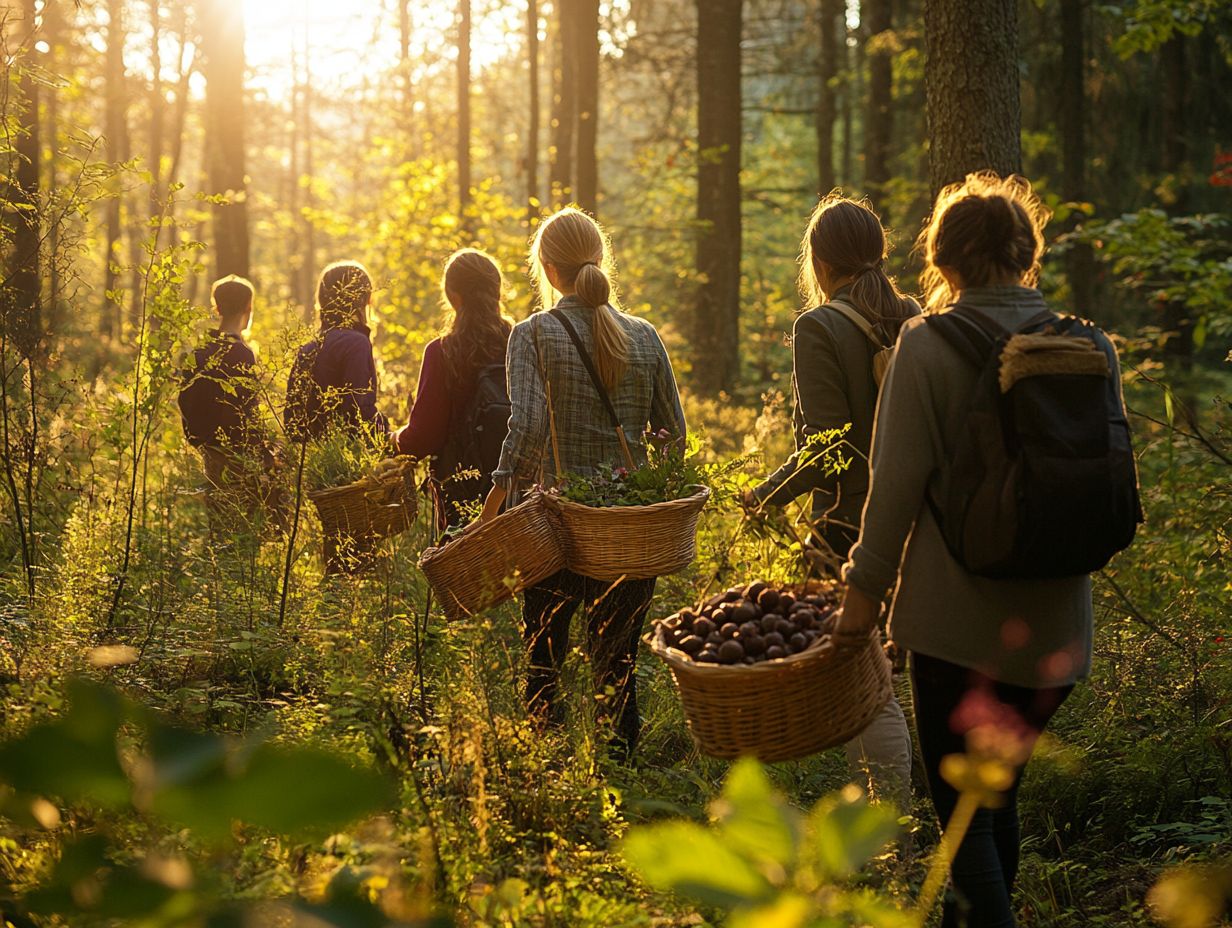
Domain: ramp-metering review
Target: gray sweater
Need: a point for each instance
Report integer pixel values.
(1033, 633)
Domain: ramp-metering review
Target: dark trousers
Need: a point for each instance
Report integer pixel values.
(614, 617)
(949, 700)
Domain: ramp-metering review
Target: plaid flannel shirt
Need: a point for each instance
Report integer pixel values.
(539, 351)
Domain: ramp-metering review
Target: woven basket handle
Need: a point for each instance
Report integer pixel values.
(589, 364)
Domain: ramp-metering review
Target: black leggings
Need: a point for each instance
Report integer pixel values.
(614, 617)
(986, 863)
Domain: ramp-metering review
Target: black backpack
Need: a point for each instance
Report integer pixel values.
(476, 434)
(1042, 481)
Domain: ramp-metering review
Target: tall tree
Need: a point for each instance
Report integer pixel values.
(52, 29)
(564, 100)
(222, 46)
(464, 106)
(532, 128)
(21, 297)
(879, 116)
(587, 165)
(1078, 262)
(830, 19)
(716, 328)
(158, 109)
(115, 129)
(971, 80)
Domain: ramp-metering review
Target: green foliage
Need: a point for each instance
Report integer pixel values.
(673, 470)
(342, 455)
(1172, 259)
(766, 863)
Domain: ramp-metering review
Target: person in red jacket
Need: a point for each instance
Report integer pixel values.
(462, 388)
(333, 378)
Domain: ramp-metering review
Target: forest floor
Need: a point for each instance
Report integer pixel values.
(495, 823)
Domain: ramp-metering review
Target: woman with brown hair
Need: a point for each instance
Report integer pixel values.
(991, 658)
(857, 311)
(461, 408)
(333, 379)
(570, 256)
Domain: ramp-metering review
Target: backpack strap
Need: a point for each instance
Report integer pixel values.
(858, 319)
(974, 334)
(589, 364)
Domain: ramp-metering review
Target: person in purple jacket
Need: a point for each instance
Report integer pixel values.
(333, 379)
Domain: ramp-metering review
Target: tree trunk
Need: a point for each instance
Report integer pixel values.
(1176, 322)
(587, 104)
(21, 297)
(52, 25)
(308, 228)
(532, 127)
(830, 19)
(879, 115)
(222, 45)
(179, 114)
(158, 107)
(564, 102)
(115, 129)
(847, 106)
(971, 76)
(464, 107)
(716, 361)
(1078, 260)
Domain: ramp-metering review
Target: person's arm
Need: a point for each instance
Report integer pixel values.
(528, 417)
(425, 433)
(822, 395)
(665, 409)
(906, 450)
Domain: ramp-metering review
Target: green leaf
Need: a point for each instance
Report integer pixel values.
(846, 831)
(686, 858)
(756, 822)
(74, 756)
(296, 791)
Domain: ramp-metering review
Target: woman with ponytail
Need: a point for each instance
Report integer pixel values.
(570, 257)
(991, 658)
(472, 347)
(333, 379)
(856, 313)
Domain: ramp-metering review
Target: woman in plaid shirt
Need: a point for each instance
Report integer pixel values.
(571, 256)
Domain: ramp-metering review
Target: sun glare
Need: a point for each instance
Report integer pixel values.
(341, 43)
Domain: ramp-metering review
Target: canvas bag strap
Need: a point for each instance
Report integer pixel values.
(589, 364)
(858, 319)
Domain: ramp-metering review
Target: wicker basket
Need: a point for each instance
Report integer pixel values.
(783, 709)
(629, 542)
(489, 564)
(355, 516)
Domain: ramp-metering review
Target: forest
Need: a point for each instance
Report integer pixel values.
(203, 722)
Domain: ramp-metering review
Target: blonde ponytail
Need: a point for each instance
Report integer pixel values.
(576, 246)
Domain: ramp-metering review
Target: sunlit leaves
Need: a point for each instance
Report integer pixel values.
(767, 864)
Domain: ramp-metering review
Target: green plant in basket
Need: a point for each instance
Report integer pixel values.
(343, 455)
(673, 470)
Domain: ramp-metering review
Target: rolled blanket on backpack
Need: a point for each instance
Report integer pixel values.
(1035, 355)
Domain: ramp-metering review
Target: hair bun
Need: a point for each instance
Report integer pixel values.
(1000, 227)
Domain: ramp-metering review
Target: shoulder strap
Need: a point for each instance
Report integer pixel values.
(588, 363)
(858, 319)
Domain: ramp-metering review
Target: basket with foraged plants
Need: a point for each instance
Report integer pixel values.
(636, 522)
(360, 494)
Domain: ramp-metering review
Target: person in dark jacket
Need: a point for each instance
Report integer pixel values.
(220, 405)
(477, 337)
(333, 379)
(842, 271)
